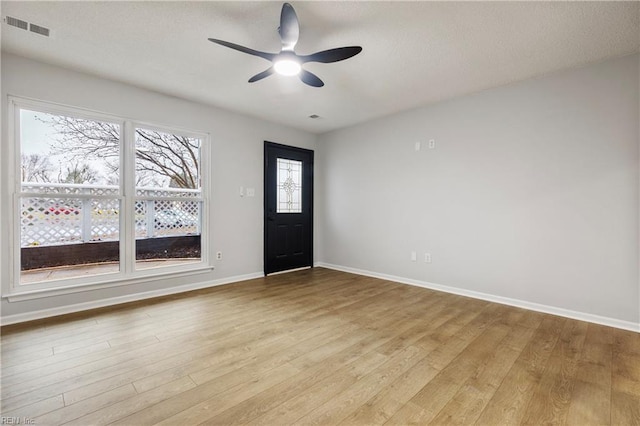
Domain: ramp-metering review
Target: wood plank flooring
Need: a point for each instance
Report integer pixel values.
(318, 347)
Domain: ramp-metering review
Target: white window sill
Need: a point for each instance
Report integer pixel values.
(19, 295)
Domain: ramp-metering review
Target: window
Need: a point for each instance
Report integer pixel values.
(168, 205)
(102, 199)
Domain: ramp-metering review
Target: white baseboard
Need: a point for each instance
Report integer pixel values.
(78, 307)
(582, 316)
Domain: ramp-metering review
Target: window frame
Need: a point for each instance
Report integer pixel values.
(128, 273)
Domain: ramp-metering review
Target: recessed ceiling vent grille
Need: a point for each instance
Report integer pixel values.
(24, 25)
(15, 22)
(39, 30)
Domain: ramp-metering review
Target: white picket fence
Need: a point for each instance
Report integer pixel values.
(54, 214)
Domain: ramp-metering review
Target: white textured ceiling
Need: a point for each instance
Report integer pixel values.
(414, 53)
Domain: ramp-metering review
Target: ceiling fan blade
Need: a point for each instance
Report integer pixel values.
(265, 55)
(310, 79)
(260, 76)
(289, 28)
(332, 55)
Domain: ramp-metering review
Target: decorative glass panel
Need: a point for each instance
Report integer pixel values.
(289, 199)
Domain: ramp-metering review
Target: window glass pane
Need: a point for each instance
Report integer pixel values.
(68, 237)
(167, 233)
(289, 181)
(161, 218)
(62, 149)
(168, 208)
(73, 228)
(165, 160)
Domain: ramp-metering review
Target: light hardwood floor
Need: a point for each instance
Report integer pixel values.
(319, 347)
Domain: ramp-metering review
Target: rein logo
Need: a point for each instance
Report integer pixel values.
(4, 420)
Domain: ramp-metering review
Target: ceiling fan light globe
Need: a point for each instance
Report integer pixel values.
(287, 67)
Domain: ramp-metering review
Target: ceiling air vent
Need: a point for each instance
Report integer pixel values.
(24, 25)
(15, 22)
(39, 30)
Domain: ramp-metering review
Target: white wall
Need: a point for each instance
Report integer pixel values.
(237, 146)
(531, 193)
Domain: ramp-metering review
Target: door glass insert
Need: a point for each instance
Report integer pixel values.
(289, 179)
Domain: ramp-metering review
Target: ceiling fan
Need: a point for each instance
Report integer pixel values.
(287, 61)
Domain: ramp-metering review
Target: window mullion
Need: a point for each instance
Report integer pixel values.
(127, 221)
(14, 182)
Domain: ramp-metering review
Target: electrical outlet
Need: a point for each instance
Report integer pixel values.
(219, 255)
(427, 258)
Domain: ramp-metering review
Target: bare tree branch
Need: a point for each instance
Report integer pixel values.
(35, 168)
(158, 155)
